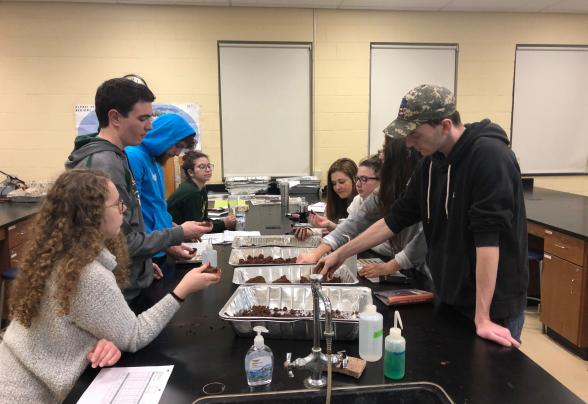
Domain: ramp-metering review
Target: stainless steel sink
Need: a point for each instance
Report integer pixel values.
(379, 394)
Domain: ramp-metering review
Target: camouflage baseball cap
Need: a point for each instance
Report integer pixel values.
(427, 102)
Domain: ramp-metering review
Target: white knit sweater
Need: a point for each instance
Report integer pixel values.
(41, 364)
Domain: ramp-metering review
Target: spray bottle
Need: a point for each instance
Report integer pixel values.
(395, 347)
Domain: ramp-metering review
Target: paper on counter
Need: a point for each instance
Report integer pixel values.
(142, 384)
(213, 238)
(364, 261)
(227, 236)
(318, 207)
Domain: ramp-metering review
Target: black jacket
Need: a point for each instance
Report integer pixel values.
(483, 205)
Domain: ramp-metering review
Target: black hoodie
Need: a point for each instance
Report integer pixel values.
(472, 198)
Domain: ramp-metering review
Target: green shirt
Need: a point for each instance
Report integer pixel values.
(188, 202)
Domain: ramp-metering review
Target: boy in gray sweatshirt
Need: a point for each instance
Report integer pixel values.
(124, 112)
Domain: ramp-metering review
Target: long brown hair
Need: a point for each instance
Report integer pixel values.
(337, 207)
(66, 238)
(399, 164)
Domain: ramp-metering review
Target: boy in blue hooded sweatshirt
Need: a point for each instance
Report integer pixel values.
(168, 137)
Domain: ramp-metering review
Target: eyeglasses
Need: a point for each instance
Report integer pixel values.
(364, 179)
(205, 166)
(121, 206)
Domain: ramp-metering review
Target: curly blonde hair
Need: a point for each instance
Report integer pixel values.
(66, 238)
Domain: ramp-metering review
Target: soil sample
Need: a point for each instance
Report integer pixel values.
(256, 279)
(265, 311)
(261, 259)
(282, 279)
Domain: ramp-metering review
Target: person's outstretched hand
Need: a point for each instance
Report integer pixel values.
(497, 333)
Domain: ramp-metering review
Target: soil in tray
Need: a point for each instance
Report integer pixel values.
(265, 311)
(261, 259)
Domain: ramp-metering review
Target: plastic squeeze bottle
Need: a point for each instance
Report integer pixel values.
(259, 361)
(395, 347)
(209, 255)
(370, 334)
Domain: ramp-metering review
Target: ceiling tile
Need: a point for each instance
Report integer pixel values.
(568, 6)
(287, 3)
(529, 6)
(431, 5)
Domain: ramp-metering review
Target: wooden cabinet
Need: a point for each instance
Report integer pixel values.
(13, 246)
(561, 296)
(561, 245)
(564, 286)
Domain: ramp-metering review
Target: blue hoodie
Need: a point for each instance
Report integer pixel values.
(167, 130)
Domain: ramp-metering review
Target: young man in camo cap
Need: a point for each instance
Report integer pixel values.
(467, 191)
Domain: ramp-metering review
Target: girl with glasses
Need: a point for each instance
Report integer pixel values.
(407, 249)
(366, 180)
(190, 200)
(66, 302)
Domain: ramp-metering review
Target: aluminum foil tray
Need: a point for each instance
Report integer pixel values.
(293, 272)
(277, 241)
(274, 252)
(347, 299)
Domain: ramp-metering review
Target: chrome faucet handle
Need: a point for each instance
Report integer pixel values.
(342, 357)
(288, 364)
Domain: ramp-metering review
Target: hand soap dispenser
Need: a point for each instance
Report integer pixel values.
(259, 361)
(395, 347)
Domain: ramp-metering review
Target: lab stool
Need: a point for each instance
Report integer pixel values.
(5, 277)
(537, 256)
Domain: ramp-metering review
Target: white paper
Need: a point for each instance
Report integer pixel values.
(364, 261)
(142, 384)
(227, 236)
(318, 207)
(213, 238)
(256, 202)
(230, 235)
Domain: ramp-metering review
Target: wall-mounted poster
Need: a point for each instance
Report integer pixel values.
(87, 122)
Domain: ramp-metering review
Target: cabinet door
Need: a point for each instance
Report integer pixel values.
(560, 297)
(18, 233)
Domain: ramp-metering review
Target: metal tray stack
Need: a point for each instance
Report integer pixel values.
(274, 252)
(293, 272)
(299, 297)
(275, 241)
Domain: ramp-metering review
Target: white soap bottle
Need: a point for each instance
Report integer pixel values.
(370, 334)
(259, 361)
(209, 255)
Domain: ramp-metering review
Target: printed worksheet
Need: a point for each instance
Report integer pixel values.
(132, 385)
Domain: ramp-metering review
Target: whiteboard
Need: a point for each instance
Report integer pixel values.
(398, 68)
(265, 97)
(550, 109)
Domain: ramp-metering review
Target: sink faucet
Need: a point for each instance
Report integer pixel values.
(317, 361)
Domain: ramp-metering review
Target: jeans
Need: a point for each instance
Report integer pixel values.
(514, 325)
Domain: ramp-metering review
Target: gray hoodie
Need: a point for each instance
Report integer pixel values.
(409, 247)
(96, 153)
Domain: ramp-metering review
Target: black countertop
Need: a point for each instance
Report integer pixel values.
(11, 212)
(442, 348)
(560, 210)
